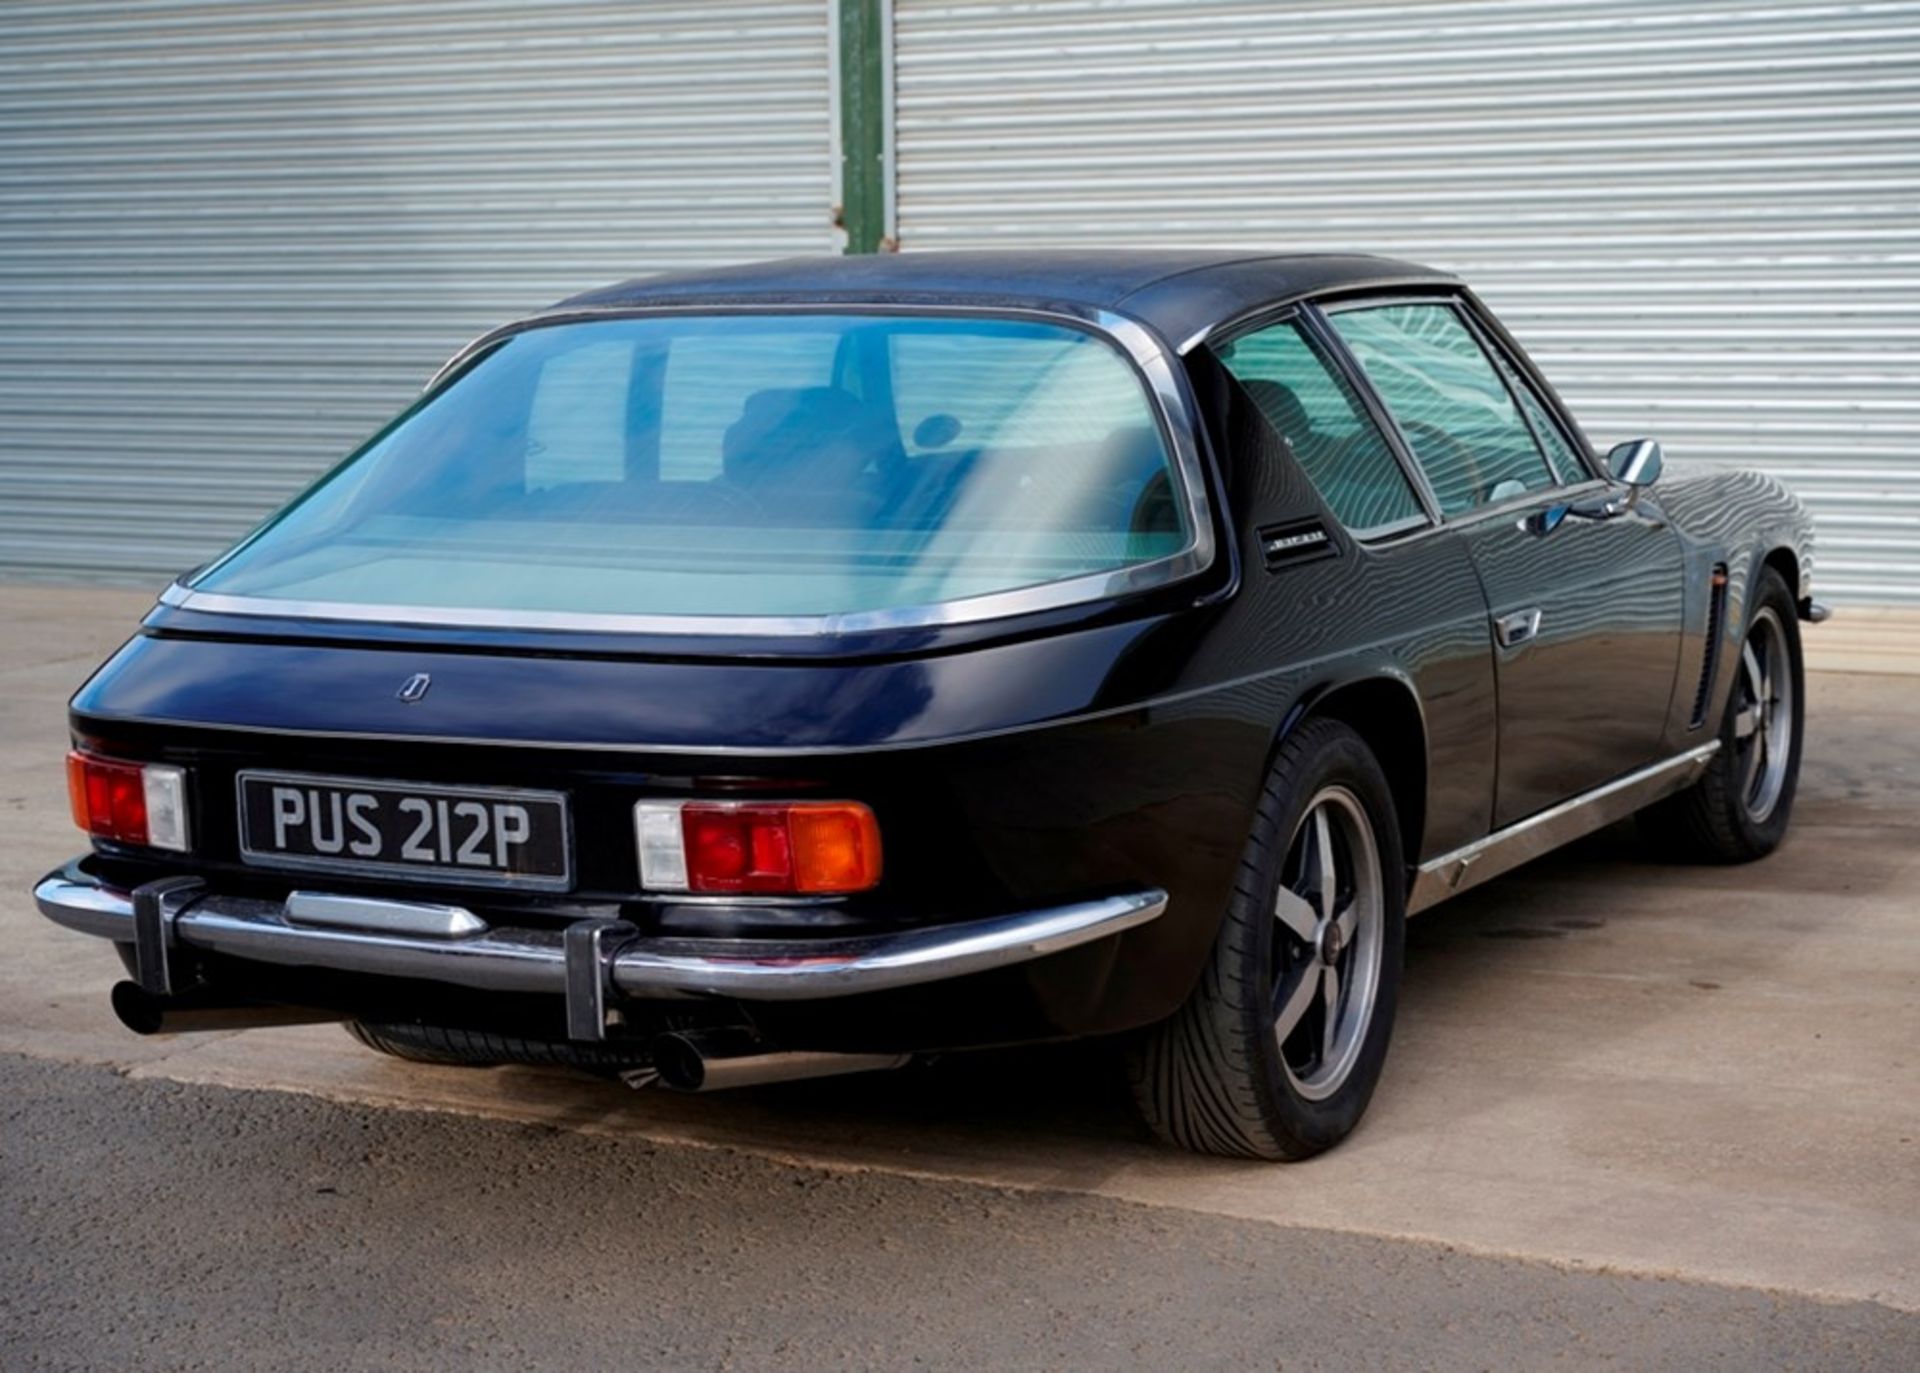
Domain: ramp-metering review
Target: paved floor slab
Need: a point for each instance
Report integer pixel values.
(1602, 1061)
(265, 1230)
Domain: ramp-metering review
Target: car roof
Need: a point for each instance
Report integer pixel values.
(1180, 293)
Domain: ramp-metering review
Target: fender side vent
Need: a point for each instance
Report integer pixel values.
(1300, 541)
(1710, 656)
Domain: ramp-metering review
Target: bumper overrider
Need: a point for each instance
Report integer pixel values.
(592, 964)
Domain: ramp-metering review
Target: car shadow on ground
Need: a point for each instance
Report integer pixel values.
(1040, 1098)
(1595, 943)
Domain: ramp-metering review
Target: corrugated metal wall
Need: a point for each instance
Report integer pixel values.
(1702, 218)
(235, 237)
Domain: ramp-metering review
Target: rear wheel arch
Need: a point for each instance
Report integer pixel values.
(1384, 710)
(1280, 1044)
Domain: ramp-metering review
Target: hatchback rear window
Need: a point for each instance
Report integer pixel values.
(740, 465)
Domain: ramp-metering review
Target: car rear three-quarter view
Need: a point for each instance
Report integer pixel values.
(806, 668)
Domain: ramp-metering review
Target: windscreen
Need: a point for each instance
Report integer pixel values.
(739, 465)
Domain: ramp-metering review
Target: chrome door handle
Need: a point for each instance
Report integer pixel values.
(1515, 629)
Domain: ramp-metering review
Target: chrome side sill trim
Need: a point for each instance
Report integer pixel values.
(535, 960)
(1524, 840)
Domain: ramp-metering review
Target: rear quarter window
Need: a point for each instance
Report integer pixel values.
(1334, 440)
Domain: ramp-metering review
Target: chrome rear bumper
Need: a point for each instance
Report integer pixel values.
(586, 962)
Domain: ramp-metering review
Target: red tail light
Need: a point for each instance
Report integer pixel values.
(130, 803)
(761, 848)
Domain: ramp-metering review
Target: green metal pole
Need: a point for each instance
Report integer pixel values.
(863, 125)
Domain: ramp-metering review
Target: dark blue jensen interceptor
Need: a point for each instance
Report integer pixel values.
(801, 668)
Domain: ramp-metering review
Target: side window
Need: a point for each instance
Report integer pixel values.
(1341, 450)
(1565, 462)
(1449, 401)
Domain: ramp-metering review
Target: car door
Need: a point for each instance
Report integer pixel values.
(1586, 619)
(1401, 589)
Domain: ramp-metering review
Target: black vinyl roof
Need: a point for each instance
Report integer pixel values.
(1178, 293)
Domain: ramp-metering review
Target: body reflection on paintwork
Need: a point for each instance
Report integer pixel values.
(1081, 749)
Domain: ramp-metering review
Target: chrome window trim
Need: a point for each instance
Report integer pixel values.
(1315, 322)
(1516, 379)
(1494, 337)
(1359, 390)
(1323, 297)
(1393, 529)
(1535, 379)
(1554, 488)
(1152, 361)
(1545, 495)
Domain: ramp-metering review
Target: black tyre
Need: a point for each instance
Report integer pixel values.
(1278, 1048)
(1739, 809)
(482, 1049)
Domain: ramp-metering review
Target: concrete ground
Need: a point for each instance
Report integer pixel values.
(1697, 1083)
(283, 1231)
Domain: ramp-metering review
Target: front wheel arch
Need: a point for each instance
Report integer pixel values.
(1782, 559)
(1785, 561)
(1712, 820)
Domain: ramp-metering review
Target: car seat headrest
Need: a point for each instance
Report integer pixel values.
(802, 434)
(1281, 407)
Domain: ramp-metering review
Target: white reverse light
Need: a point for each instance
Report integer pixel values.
(663, 848)
(166, 796)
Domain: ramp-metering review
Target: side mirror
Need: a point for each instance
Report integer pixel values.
(1636, 463)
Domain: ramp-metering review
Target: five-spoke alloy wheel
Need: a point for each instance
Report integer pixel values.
(1278, 1048)
(1763, 714)
(1739, 808)
(1327, 950)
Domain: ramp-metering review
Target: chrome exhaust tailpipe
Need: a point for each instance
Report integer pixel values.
(146, 1014)
(714, 1060)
